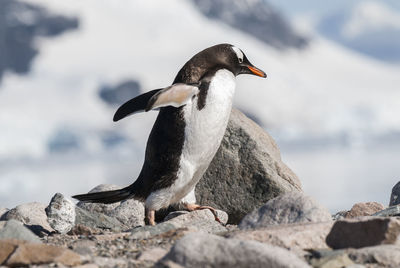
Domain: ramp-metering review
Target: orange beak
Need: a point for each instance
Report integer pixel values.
(257, 71)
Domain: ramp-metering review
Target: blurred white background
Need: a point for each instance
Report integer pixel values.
(331, 99)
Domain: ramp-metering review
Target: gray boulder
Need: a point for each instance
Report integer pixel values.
(100, 261)
(323, 258)
(222, 215)
(200, 219)
(97, 207)
(206, 250)
(364, 232)
(129, 212)
(61, 214)
(339, 215)
(295, 237)
(97, 220)
(33, 215)
(395, 196)
(364, 209)
(246, 172)
(293, 207)
(148, 231)
(24, 254)
(152, 255)
(381, 256)
(14, 229)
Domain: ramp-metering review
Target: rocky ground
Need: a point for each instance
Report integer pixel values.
(267, 222)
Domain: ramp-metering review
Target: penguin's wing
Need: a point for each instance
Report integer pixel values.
(176, 95)
(135, 105)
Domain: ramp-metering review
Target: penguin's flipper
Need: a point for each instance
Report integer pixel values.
(176, 95)
(135, 105)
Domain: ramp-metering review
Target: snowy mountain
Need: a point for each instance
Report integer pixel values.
(57, 130)
(254, 17)
(370, 27)
(20, 24)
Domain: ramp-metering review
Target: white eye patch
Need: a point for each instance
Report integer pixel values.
(239, 53)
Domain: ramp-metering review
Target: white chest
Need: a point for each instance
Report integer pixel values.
(204, 131)
(205, 128)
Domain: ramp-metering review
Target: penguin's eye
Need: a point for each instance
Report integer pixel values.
(238, 53)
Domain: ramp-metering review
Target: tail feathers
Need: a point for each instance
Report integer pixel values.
(106, 197)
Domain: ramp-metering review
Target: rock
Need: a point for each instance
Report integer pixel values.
(97, 220)
(92, 265)
(31, 214)
(129, 212)
(222, 215)
(246, 172)
(169, 264)
(334, 262)
(174, 214)
(339, 215)
(364, 209)
(80, 229)
(389, 212)
(3, 211)
(84, 247)
(292, 207)
(25, 254)
(199, 220)
(153, 255)
(202, 220)
(6, 248)
(395, 196)
(363, 232)
(296, 237)
(207, 250)
(382, 255)
(146, 232)
(16, 230)
(109, 262)
(98, 207)
(61, 214)
(330, 259)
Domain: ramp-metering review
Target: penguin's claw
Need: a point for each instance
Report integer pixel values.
(193, 207)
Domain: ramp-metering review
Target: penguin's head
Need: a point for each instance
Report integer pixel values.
(232, 58)
(222, 56)
(239, 64)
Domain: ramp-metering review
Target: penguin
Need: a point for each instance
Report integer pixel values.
(193, 115)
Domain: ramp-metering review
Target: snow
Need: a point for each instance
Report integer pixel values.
(370, 16)
(323, 91)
